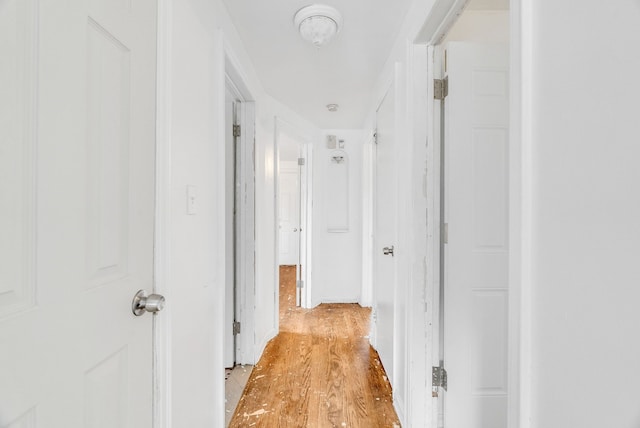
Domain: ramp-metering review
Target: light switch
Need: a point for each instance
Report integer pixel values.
(191, 200)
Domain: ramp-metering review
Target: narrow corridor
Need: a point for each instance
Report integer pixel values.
(320, 371)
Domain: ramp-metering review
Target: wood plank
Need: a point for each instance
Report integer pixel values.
(320, 371)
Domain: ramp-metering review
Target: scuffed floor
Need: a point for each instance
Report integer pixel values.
(235, 382)
(318, 372)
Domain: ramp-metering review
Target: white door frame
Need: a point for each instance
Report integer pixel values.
(245, 209)
(306, 200)
(442, 16)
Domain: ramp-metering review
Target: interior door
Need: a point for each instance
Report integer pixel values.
(476, 255)
(230, 227)
(385, 231)
(77, 178)
(289, 217)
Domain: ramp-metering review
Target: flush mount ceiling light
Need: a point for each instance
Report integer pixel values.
(318, 23)
(332, 107)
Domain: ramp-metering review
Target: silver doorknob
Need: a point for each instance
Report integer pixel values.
(295, 230)
(143, 303)
(388, 250)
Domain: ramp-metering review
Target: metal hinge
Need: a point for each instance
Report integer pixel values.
(236, 130)
(300, 283)
(375, 136)
(439, 377)
(301, 161)
(440, 88)
(236, 327)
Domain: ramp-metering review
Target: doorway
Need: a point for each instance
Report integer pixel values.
(293, 213)
(232, 134)
(471, 106)
(239, 219)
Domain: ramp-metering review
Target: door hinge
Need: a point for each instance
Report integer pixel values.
(236, 327)
(439, 377)
(445, 233)
(375, 136)
(300, 283)
(236, 130)
(301, 161)
(441, 88)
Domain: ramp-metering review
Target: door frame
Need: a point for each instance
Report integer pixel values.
(233, 76)
(306, 204)
(443, 15)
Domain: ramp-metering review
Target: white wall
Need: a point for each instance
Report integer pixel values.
(337, 256)
(586, 214)
(197, 158)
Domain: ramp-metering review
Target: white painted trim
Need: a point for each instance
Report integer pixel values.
(162, 382)
(306, 222)
(431, 264)
(418, 328)
(520, 228)
(443, 15)
(433, 203)
(368, 151)
(235, 78)
(401, 260)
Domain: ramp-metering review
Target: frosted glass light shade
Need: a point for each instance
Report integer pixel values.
(318, 24)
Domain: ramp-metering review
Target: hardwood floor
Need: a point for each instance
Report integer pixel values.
(318, 372)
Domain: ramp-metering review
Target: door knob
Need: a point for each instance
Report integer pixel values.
(143, 303)
(388, 251)
(295, 230)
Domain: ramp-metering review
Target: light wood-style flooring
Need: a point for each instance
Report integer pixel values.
(320, 371)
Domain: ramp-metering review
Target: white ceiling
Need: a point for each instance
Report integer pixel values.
(307, 79)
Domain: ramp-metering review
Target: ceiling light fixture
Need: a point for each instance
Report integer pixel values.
(318, 23)
(332, 107)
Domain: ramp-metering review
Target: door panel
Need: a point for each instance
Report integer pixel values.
(385, 231)
(289, 218)
(476, 187)
(77, 105)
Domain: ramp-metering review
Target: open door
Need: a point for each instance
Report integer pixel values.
(474, 305)
(385, 232)
(294, 214)
(77, 144)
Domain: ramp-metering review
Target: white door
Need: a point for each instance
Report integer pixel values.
(476, 256)
(289, 217)
(230, 228)
(385, 232)
(77, 138)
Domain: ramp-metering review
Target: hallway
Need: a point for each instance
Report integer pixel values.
(318, 372)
